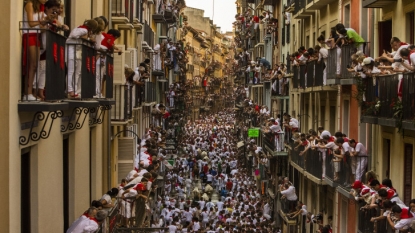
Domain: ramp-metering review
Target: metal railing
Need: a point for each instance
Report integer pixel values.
(382, 93)
(47, 76)
(296, 77)
(344, 171)
(274, 141)
(280, 87)
(408, 96)
(124, 8)
(81, 78)
(337, 66)
(148, 34)
(302, 76)
(150, 92)
(366, 226)
(123, 107)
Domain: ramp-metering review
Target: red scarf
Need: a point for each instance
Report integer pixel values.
(84, 26)
(94, 219)
(402, 43)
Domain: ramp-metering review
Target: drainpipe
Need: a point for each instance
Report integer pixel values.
(110, 14)
(109, 147)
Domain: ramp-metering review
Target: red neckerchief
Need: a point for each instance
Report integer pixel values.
(403, 43)
(406, 213)
(94, 219)
(354, 147)
(41, 8)
(409, 56)
(85, 27)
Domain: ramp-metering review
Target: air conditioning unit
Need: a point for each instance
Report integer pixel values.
(119, 64)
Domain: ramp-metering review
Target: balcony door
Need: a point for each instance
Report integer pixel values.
(25, 192)
(408, 172)
(385, 35)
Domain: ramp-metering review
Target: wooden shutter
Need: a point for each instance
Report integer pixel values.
(126, 153)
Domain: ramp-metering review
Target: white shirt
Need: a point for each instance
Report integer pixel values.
(290, 193)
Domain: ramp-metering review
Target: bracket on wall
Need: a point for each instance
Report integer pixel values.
(97, 114)
(48, 118)
(77, 113)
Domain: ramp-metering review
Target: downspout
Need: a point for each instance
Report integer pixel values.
(109, 14)
(109, 148)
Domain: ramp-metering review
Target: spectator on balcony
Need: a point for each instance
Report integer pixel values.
(358, 155)
(33, 20)
(353, 38)
(51, 9)
(361, 192)
(106, 43)
(369, 67)
(395, 56)
(408, 54)
(323, 132)
(323, 53)
(402, 218)
(289, 194)
(334, 42)
(327, 143)
(74, 53)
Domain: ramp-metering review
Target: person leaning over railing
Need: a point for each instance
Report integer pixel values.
(53, 24)
(74, 53)
(395, 56)
(89, 221)
(34, 19)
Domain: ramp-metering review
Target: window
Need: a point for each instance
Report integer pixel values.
(65, 183)
(346, 20)
(410, 19)
(25, 205)
(408, 168)
(346, 114)
(386, 157)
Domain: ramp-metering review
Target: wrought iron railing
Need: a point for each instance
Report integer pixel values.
(150, 92)
(408, 96)
(338, 62)
(296, 76)
(47, 76)
(81, 78)
(123, 107)
(124, 8)
(148, 35)
(274, 141)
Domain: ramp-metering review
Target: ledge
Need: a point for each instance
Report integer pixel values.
(333, 81)
(344, 192)
(127, 26)
(82, 103)
(409, 125)
(280, 97)
(297, 167)
(330, 182)
(348, 81)
(106, 101)
(387, 122)
(369, 119)
(119, 19)
(313, 178)
(33, 106)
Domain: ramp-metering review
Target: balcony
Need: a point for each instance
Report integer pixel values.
(377, 3)
(337, 72)
(148, 37)
(123, 12)
(300, 11)
(382, 104)
(274, 143)
(318, 4)
(150, 96)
